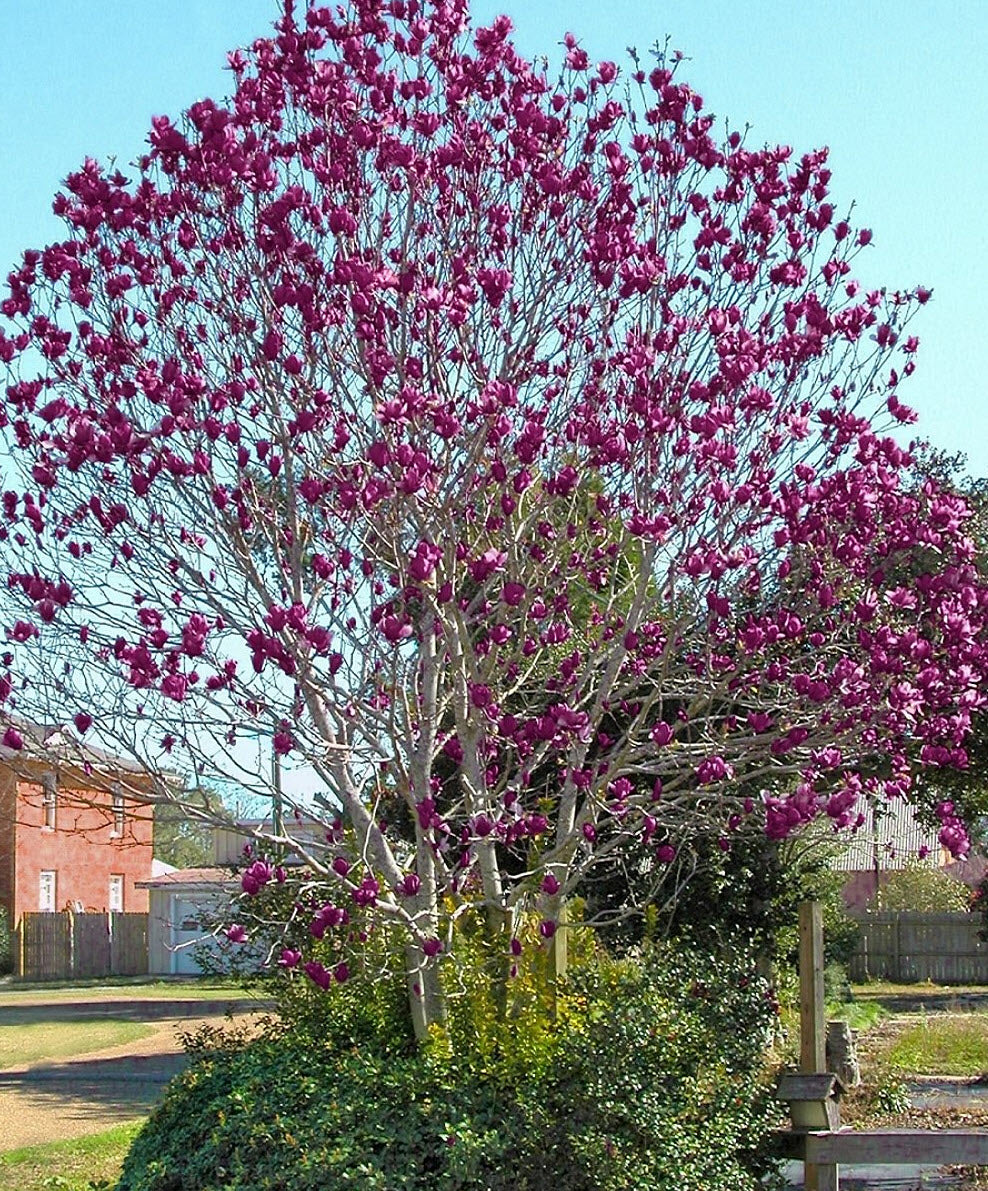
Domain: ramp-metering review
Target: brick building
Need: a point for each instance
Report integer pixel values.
(71, 839)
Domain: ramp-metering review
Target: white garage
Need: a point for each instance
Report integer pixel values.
(184, 908)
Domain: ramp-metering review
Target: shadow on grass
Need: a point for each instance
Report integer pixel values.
(97, 1089)
(149, 1010)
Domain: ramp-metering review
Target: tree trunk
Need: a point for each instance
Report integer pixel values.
(425, 994)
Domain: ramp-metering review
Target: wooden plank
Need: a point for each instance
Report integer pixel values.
(46, 946)
(806, 1087)
(961, 1147)
(827, 1179)
(129, 944)
(812, 1023)
(943, 948)
(91, 949)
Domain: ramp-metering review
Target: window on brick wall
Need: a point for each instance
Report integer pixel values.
(118, 811)
(46, 890)
(49, 799)
(116, 900)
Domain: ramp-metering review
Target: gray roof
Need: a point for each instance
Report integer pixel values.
(194, 878)
(56, 743)
(894, 835)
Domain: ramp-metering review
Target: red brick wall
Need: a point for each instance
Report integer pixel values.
(83, 849)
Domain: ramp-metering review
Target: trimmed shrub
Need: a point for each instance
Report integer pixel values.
(6, 945)
(649, 1078)
(924, 888)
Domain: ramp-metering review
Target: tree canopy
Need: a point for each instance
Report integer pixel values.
(497, 441)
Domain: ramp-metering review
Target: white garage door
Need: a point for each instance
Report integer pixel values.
(189, 934)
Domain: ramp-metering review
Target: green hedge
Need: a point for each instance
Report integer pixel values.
(6, 944)
(650, 1080)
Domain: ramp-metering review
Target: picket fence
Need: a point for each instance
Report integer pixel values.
(906, 947)
(52, 946)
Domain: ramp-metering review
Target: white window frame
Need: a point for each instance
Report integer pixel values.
(115, 903)
(119, 810)
(49, 800)
(47, 890)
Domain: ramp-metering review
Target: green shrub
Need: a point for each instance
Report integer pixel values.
(6, 945)
(836, 987)
(649, 1077)
(658, 1084)
(979, 905)
(922, 887)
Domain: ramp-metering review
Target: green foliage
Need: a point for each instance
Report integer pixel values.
(923, 888)
(942, 1044)
(861, 1016)
(647, 1075)
(979, 905)
(749, 895)
(836, 986)
(6, 944)
(181, 839)
(658, 1078)
(720, 897)
(892, 1096)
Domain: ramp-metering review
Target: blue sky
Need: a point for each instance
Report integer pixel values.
(897, 90)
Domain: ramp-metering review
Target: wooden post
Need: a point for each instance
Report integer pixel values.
(812, 1026)
(827, 1178)
(812, 1023)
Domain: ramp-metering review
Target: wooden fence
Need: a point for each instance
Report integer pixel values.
(908, 947)
(80, 946)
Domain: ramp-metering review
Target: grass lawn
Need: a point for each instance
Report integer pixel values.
(942, 1044)
(123, 989)
(68, 1165)
(33, 1041)
(884, 988)
(859, 1015)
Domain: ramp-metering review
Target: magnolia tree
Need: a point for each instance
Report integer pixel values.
(503, 447)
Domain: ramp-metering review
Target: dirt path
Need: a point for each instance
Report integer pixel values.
(88, 1093)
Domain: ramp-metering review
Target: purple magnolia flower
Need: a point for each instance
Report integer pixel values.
(509, 528)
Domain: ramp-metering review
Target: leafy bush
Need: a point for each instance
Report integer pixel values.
(648, 1076)
(658, 1087)
(6, 944)
(924, 888)
(979, 905)
(836, 986)
(892, 1096)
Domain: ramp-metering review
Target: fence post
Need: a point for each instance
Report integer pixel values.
(812, 1023)
(812, 1027)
